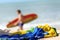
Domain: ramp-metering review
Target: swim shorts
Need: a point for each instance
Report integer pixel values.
(20, 24)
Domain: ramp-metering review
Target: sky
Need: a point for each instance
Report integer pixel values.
(9, 1)
(48, 11)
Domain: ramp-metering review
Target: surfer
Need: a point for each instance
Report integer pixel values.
(20, 23)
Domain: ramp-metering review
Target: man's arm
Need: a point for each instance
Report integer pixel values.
(16, 23)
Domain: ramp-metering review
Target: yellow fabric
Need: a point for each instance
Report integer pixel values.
(23, 31)
(48, 29)
(20, 32)
(45, 27)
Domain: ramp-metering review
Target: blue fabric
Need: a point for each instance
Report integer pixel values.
(36, 34)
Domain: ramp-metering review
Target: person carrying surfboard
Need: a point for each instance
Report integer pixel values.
(19, 22)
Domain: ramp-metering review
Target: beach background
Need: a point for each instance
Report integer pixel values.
(48, 11)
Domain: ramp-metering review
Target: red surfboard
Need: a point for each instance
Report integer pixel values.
(26, 19)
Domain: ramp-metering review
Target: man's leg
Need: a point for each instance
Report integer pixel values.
(21, 26)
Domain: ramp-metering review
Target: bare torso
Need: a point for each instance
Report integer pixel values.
(20, 18)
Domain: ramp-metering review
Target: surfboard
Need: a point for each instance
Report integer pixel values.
(26, 18)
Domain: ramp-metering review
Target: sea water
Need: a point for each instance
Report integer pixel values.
(48, 12)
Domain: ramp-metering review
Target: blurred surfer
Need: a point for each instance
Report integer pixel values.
(19, 22)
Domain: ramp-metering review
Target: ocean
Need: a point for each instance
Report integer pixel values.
(48, 11)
